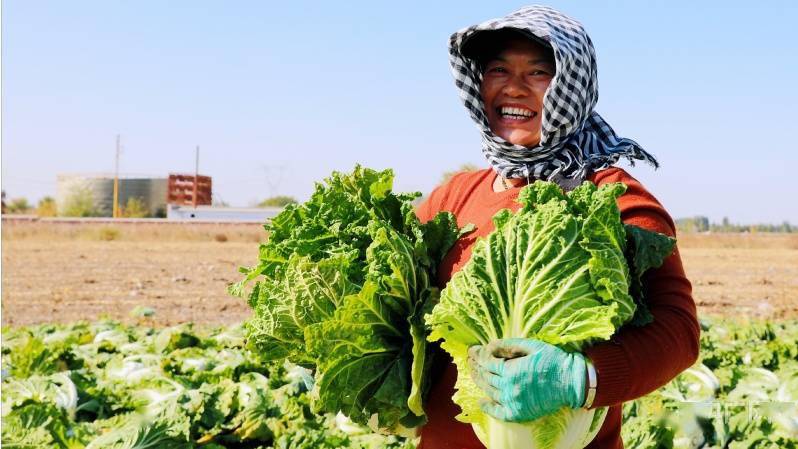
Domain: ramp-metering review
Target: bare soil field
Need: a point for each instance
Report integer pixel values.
(67, 272)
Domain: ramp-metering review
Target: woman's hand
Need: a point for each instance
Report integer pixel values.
(526, 379)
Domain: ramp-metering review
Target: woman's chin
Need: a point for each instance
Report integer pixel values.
(516, 134)
(523, 139)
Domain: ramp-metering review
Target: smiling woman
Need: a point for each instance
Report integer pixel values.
(529, 82)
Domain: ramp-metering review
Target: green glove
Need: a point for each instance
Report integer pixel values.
(526, 379)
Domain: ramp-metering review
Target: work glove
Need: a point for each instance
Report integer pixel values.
(525, 379)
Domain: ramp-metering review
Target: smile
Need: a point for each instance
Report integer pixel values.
(515, 113)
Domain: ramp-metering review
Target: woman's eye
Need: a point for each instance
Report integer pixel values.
(497, 69)
(538, 72)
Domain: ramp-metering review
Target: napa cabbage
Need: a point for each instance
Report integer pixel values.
(342, 286)
(559, 270)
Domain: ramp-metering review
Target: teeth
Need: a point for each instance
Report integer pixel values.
(516, 111)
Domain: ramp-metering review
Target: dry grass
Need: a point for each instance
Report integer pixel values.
(739, 241)
(66, 272)
(133, 232)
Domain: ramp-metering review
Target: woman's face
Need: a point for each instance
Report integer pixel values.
(513, 85)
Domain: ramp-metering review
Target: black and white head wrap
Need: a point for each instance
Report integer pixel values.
(575, 140)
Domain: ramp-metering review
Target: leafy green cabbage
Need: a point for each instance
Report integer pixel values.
(555, 271)
(213, 394)
(742, 394)
(342, 287)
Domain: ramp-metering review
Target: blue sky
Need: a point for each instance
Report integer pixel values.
(278, 94)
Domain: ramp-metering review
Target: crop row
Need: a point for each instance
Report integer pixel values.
(106, 385)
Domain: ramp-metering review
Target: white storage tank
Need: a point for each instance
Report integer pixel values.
(93, 195)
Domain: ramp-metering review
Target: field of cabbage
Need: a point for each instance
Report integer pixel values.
(344, 286)
(108, 385)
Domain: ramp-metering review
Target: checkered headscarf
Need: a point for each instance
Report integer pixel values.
(574, 140)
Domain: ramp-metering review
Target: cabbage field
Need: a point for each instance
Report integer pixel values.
(106, 385)
(335, 351)
(109, 385)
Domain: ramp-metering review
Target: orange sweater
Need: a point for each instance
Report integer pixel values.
(634, 362)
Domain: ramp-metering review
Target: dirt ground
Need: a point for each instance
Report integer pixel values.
(62, 274)
(66, 272)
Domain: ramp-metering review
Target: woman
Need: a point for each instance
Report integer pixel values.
(529, 83)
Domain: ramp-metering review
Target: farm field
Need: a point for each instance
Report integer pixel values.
(155, 381)
(63, 273)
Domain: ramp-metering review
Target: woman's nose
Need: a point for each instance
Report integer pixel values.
(515, 87)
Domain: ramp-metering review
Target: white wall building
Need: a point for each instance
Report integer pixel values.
(227, 214)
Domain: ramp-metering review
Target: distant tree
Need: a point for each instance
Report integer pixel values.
(46, 207)
(702, 224)
(277, 201)
(18, 206)
(463, 168)
(693, 224)
(725, 224)
(135, 208)
(80, 203)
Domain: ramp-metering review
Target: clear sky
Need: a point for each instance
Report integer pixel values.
(278, 94)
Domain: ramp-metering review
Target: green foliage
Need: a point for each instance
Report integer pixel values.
(47, 207)
(741, 394)
(134, 208)
(342, 285)
(135, 387)
(556, 271)
(702, 224)
(18, 206)
(106, 385)
(463, 168)
(160, 212)
(278, 201)
(693, 224)
(80, 203)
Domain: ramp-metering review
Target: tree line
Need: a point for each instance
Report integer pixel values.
(701, 223)
(80, 204)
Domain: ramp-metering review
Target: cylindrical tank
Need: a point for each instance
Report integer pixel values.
(78, 195)
(151, 191)
(94, 195)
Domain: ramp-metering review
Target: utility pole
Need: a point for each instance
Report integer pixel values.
(116, 181)
(196, 177)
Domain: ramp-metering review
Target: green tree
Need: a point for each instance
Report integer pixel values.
(18, 206)
(463, 168)
(726, 225)
(698, 223)
(277, 201)
(80, 203)
(46, 207)
(135, 208)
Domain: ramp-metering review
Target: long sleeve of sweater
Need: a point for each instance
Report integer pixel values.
(638, 360)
